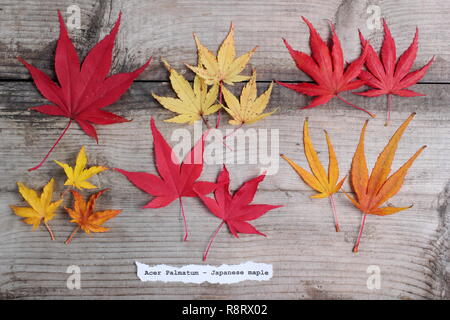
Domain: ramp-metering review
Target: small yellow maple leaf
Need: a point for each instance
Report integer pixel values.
(250, 107)
(77, 176)
(83, 214)
(192, 103)
(325, 184)
(224, 68)
(41, 208)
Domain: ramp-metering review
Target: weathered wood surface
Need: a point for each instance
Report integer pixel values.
(163, 29)
(310, 259)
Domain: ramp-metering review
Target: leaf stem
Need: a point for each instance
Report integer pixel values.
(53, 147)
(220, 102)
(233, 132)
(351, 104)
(184, 220)
(389, 107)
(363, 221)
(205, 254)
(333, 208)
(69, 239)
(49, 230)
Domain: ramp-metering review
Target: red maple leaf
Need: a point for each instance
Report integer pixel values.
(326, 67)
(176, 179)
(388, 75)
(234, 210)
(83, 90)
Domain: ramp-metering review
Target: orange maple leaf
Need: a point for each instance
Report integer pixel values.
(83, 214)
(371, 192)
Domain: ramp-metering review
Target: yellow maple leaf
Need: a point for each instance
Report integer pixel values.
(325, 184)
(225, 68)
(250, 107)
(84, 215)
(193, 103)
(41, 207)
(77, 176)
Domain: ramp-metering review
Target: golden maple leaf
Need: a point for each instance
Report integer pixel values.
(83, 214)
(325, 184)
(372, 192)
(224, 68)
(192, 103)
(250, 107)
(77, 176)
(41, 208)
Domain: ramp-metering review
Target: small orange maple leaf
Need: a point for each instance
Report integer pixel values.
(371, 192)
(83, 214)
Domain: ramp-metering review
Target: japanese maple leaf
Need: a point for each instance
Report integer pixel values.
(193, 103)
(41, 207)
(390, 76)
(77, 176)
(85, 217)
(234, 210)
(326, 67)
(176, 179)
(83, 90)
(325, 184)
(371, 192)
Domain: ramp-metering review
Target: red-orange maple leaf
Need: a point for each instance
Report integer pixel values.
(83, 90)
(387, 75)
(326, 67)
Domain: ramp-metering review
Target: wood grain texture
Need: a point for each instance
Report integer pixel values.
(310, 260)
(163, 29)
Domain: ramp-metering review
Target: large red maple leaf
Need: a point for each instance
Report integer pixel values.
(390, 76)
(176, 179)
(234, 210)
(83, 90)
(326, 67)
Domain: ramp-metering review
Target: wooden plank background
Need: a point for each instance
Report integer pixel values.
(310, 260)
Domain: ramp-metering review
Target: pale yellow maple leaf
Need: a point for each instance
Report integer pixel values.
(193, 103)
(225, 68)
(41, 207)
(78, 176)
(248, 109)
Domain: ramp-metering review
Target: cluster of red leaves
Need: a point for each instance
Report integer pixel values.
(179, 179)
(388, 76)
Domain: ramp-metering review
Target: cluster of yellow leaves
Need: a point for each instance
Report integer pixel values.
(43, 209)
(194, 103)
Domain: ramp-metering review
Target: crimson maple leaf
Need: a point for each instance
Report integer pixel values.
(234, 210)
(388, 75)
(83, 90)
(326, 67)
(176, 179)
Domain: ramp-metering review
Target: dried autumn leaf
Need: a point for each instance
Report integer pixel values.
(250, 107)
(234, 210)
(325, 184)
(326, 67)
(225, 68)
(41, 208)
(192, 103)
(390, 76)
(78, 176)
(85, 217)
(176, 179)
(83, 90)
(371, 193)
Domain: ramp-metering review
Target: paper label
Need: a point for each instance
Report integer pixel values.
(195, 273)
